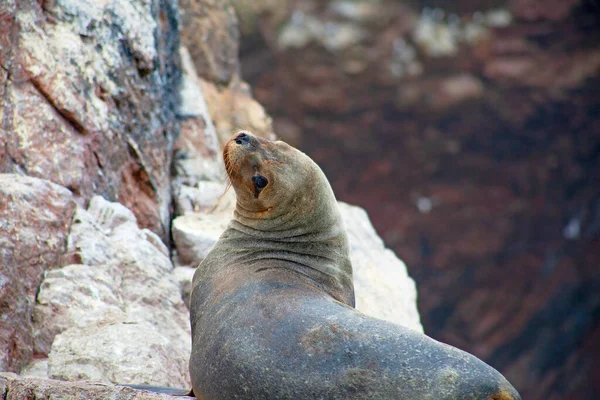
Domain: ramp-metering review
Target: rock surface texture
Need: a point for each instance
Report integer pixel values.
(119, 308)
(35, 217)
(14, 387)
(475, 126)
(88, 93)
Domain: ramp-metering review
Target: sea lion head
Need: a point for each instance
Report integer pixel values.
(286, 211)
(277, 186)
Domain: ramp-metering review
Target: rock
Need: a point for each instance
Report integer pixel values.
(89, 98)
(534, 10)
(75, 295)
(195, 234)
(197, 152)
(35, 216)
(209, 29)
(124, 277)
(204, 197)
(184, 277)
(253, 14)
(123, 352)
(15, 387)
(38, 368)
(233, 108)
(382, 286)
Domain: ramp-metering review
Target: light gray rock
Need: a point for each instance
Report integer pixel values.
(15, 387)
(196, 233)
(184, 277)
(75, 295)
(38, 368)
(382, 286)
(201, 198)
(127, 277)
(122, 352)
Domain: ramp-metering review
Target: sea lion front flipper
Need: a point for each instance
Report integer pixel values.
(164, 390)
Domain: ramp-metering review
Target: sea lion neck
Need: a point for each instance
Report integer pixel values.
(286, 214)
(306, 235)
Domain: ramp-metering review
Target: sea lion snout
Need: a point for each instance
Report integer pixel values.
(242, 138)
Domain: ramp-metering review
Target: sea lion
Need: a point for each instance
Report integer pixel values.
(272, 304)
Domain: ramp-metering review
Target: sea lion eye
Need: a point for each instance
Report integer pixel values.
(260, 182)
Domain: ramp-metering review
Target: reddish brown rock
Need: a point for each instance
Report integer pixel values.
(88, 96)
(35, 216)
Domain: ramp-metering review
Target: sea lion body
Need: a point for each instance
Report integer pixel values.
(272, 304)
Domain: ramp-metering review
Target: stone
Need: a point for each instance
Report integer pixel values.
(233, 108)
(35, 216)
(128, 352)
(197, 156)
(203, 197)
(253, 14)
(209, 29)
(184, 277)
(75, 295)
(38, 368)
(15, 387)
(124, 277)
(195, 234)
(534, 10)
(383, 288)
(89, 97)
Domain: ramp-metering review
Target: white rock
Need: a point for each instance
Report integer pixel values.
(75, 295)
(38, 368)
(202, 198)
(382, 286)
(195, 234)
(184, 277)
(129, 277)
(124, 352)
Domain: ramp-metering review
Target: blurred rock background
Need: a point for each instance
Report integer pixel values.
(470, 131)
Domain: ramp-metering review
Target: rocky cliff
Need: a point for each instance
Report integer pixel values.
(112, 116)
(469, 131)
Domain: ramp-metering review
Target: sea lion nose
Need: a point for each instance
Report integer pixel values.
(242, 138)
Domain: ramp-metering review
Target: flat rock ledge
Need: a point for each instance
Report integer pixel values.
(15, 387)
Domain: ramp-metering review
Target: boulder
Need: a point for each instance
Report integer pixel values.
(123, 277)
(209, 29)
(89, 92)
(383, 288)
(35, 216)
(15, 387)
(233, 108)
(196, 233)
(75, 295)
(123, 352)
